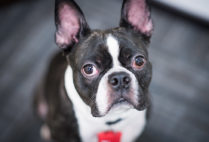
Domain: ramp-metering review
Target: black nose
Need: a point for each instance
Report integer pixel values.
(119, 80)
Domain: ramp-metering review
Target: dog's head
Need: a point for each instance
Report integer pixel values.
(110, 68)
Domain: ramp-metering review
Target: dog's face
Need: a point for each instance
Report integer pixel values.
(110, 68)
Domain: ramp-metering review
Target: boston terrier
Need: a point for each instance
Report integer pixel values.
(96, 89)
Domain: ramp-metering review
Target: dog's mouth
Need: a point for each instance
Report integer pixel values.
(120, 101)
(120, 104)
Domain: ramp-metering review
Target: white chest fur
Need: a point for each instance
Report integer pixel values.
(131, 126)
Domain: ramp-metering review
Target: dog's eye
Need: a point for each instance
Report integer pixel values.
(138, 62)
(89, 70)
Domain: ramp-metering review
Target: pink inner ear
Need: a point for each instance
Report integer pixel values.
(139, 16)
(69, 25)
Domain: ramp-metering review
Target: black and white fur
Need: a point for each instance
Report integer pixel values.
(76, 106)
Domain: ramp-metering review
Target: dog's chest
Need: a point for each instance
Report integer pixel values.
(131, 125)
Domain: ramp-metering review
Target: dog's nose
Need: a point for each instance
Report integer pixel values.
(119, 80)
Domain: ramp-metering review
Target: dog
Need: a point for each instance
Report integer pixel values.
(98, 90)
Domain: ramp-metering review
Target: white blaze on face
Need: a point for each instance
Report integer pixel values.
(114, 50)
(103, 91)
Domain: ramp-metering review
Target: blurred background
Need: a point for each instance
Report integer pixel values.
(179, 52)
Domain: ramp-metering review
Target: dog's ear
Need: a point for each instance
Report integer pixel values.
(135, 14)
(70, 23)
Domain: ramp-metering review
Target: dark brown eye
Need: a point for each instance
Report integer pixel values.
(138, 62)
(89, 70)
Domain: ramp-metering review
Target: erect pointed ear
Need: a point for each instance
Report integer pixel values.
(70, 23)
(135, 14)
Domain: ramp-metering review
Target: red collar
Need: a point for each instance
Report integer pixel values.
(109, 136)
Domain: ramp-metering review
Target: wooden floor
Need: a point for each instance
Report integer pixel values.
(179, 53)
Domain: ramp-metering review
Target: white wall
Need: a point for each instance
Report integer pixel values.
(199, 8)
